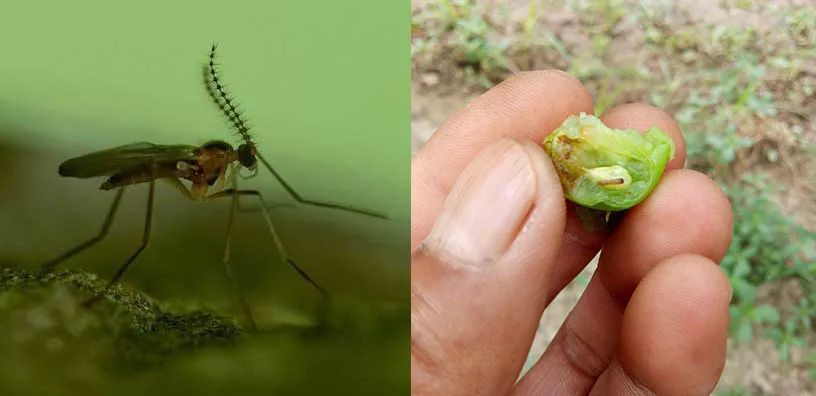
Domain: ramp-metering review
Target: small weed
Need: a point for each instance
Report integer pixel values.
(801, 26)
(769, 247)
(461, 31)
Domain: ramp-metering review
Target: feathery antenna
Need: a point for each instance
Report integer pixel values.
(224, 101)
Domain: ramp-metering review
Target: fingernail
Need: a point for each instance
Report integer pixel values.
(486, 207)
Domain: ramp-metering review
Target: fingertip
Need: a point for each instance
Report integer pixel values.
(694, 205)
(551, 80)
(675, 328)
(686, 213)
(641, 117)
(553, 95)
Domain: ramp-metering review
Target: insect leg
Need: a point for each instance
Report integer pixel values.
(236, 290)
(142, 246)
(90, 242)
(251, 209)
(278, 244)
(304, 201)
(234, 205)
(181, 187)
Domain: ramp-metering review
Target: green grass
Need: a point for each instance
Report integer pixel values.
(462, 28)
(768, 248)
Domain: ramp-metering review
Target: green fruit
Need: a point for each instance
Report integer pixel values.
(607, 169)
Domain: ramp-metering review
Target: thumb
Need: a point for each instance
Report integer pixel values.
(478, 284)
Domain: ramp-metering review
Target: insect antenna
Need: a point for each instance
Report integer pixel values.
(217, 91)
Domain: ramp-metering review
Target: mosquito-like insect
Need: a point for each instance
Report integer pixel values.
(209, 168)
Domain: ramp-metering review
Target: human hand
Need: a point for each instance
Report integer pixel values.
(493, 243)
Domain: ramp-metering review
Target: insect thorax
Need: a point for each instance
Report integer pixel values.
(211, 162)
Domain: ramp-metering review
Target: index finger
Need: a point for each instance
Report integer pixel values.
(527, 106)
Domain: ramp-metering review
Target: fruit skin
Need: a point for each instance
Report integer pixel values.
(607, 169)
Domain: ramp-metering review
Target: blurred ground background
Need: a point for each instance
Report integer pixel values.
(740, 78)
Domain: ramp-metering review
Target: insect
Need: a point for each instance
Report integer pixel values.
(211, 169)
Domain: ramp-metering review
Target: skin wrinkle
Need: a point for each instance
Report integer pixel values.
(625, 383)
(583, 358)
(558, 346)
(437, 188)
(634, 387)
(578, 347)
(630, 382)
(425, 342)
(435, 340)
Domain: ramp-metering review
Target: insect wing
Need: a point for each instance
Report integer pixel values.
(127, 157)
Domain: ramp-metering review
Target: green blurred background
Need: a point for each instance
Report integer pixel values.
(326, 89)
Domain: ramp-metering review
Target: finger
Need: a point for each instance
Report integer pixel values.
(476, 283)
(666, 224)
(526, 107)
(691, 215)
(674, 332)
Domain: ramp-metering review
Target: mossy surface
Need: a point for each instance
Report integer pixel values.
(131, 344)
(49, 305)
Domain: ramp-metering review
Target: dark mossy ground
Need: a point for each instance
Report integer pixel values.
(50, 305)
(129, 343)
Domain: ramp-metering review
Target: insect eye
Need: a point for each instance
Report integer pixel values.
(246, 156)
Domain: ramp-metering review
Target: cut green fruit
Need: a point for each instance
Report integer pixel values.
(607, 169)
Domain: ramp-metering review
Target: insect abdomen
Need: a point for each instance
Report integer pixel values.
(137, 176)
